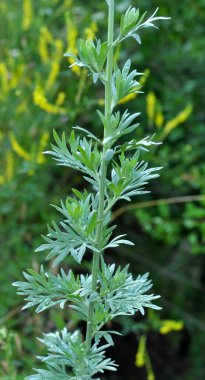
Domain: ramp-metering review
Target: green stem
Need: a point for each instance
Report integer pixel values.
(103, 172)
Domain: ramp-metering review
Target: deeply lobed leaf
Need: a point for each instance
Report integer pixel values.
(124, 83)
(129, 176)
(68, 358)
(45, 290)
(82, 154)
(122, 294)
(76, 232)
(92, 55)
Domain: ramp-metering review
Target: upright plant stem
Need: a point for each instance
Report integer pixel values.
(103, 171)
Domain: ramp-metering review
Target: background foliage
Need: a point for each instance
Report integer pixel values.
(38, 93)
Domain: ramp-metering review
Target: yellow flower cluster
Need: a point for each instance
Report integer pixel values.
(44, 40)
(9, 165)
(41, 101)
(169, 325)
(21, 152)
(55, 68)
(179, 119)
(27, 14)
(91, 31)
(155, 115)
(42, 144)
(10, 76)
(72, 35)
(39, 97)
(150, 376)
(142, 358)
(58, 44)
(9, 172)
(55, 63)
(68, 3)
(18, 148)
(39, 158)
(128, 98)
(151, 106)
(141, 352)
(60, 98)
(3, 6)
(4, 78)
(159, 118)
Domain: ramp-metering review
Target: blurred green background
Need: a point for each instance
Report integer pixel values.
(39, 93)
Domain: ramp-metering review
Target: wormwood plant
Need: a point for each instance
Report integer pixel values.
(114, 173)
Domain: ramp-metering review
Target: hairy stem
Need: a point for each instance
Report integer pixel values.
(103, 172)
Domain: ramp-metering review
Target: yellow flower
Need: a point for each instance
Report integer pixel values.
(55, 59)
(58, 49)
(151, 106)
(41, 101)
(44, 40)
(43, 142)
(141, 353)
(101, 102)
(2, 179)
(31, 172)
(91, 31)
(18, 148)
(55, 68)
(143, 79)
(71, 37)
(75, 69)
(151, 376)
(159, 119)
(68, 3)
(128, 98)
(72, 34)
(60, 98)
(55, 65)
(169, 325)
(17, 74)
(27, 14)
(9, 166)
(3, 6)
(4, 78)
(179, 119)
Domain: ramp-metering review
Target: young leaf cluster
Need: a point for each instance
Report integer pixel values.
(124, 82)
(131, 23)
(92, 54)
